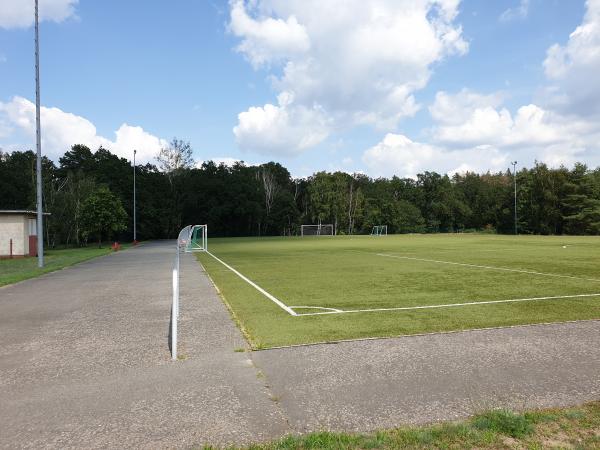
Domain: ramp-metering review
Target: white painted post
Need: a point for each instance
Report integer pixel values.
(174, 314)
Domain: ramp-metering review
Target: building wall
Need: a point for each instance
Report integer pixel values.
(13, 226)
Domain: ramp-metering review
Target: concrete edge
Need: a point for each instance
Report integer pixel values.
(434, 333)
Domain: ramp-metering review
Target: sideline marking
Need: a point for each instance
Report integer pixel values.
(257, 287)
(449, 305)
(316, 307)
(506, 269)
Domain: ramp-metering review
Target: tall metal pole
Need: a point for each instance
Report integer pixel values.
(38, 137)
(514, 164)
(134, 212)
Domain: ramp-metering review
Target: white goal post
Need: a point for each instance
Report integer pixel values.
(379, 230)
(192, 238)
(316, 230)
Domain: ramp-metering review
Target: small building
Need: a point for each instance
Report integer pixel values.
(18, 233)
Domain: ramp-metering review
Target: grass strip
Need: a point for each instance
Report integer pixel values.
(19, 269)
(577, 428)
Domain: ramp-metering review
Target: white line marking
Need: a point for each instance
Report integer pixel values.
(449, 305)
(316, 307)
(506, 269)
(257, 287)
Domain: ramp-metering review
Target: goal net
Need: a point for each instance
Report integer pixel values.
(193, 238)
(316, 230)
(379, 230)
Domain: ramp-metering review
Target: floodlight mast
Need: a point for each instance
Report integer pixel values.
(134, 212)
(514, 164)
(38, 139)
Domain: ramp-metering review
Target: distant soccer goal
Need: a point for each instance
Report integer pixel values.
(317, 230)
(379, 230)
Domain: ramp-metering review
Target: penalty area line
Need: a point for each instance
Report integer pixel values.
(271, 297)
(449, 305)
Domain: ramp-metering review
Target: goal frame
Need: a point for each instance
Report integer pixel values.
(319, 229)
(379, 230)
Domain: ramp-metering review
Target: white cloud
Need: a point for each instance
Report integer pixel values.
(519, 12)
(574, 67)
(20, 13)
(267, 40)
(398, 155)
(457, 108)
(344, 62)
(474, 131)
(283, 129)
(61, 130)
(467, 119)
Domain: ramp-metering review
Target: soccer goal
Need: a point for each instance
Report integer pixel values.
(192, 238)
(316, 230)
(379, 230)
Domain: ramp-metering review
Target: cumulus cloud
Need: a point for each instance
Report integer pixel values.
(398, 155)
(574, 67)
(267, 40)
(457, 108)
(285, 128)
(519, 12)
(344, 62)
(20, 13)
(61, 130)
(475, 131)
(467, 119)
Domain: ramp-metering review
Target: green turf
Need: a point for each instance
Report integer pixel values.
(347, 273)
(19, 269)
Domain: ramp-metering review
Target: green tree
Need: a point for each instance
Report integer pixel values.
(102, 215)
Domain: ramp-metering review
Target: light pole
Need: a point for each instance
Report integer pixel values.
(38, 139)
(134, 212)
(514, 164)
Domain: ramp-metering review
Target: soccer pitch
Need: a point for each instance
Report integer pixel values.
(286, 291)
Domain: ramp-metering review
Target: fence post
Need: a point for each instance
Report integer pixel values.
(174, 314)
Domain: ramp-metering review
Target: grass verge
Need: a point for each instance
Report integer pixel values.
(577, 428)
(19, 269)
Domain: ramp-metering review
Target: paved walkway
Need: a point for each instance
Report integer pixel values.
(84, 360)
(84, 363)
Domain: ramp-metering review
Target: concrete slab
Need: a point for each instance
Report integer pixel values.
(366, 385)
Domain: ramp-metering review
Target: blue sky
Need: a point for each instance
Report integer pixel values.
(384, 87)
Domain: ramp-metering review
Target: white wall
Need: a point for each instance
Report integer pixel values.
(13, 226)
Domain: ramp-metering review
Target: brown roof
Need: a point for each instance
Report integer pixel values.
(20, 211)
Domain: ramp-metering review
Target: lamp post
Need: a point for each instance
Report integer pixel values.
(514, 164)
(134, 212)
(38, 141)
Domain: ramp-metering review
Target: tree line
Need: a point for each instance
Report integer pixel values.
(90, 197)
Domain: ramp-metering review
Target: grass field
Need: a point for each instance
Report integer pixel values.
(353, 286)
(19, 269)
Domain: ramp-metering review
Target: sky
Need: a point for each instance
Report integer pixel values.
(381, 87)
